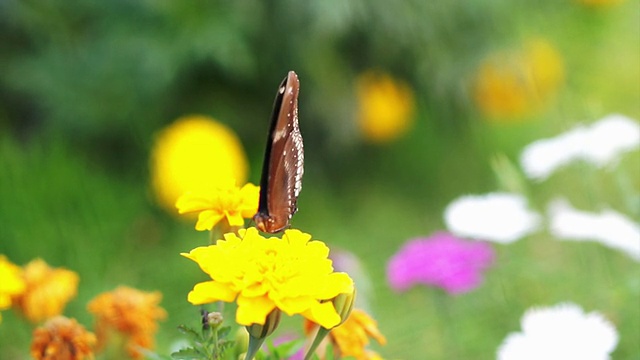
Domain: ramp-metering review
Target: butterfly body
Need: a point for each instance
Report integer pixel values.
(283, 164)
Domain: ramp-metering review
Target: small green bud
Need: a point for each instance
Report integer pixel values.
(241, 341)
(270, 324)
(343, 304)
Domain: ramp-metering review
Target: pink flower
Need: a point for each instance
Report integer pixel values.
(441, 260)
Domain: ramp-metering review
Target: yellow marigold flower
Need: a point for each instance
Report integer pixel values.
(194, 154)
(12, 283)
(292, 274)
(513, 84)
(61, 338)
(47, 292)
(385, 106)
(224, 201)
(130, 312)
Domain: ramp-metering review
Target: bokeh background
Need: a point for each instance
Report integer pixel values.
(403, 106)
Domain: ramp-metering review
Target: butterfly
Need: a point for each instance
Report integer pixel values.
(283, 164)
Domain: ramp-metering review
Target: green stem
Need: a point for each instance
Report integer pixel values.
(320, 335)
(216, 349)
(254, 346)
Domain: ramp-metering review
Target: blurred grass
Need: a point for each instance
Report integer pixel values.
(84, 87)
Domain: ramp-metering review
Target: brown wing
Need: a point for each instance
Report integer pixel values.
(283, 164)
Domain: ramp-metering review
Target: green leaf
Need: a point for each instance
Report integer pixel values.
(188, 354)
(224, 331)
(190, 332)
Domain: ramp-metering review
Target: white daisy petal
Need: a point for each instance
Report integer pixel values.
(610, 137)
(600, 144)
(499, 217)
(563, 331)
(608, 227)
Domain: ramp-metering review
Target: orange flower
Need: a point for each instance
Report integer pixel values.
(352, 337)
(62, 338)
(130, 312)
(47, 292)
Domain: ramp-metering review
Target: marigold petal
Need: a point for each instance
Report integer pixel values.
(235, 219)
(337, 283)
(296, 305)
(369, 325)
(296, 237)
(207, 219)
(189, 203)
(323, 314)
(250, 195)
(210, 291)
(317, 249)
(203, 256)
(253, 310)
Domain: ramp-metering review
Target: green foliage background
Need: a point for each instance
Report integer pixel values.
(84, 85)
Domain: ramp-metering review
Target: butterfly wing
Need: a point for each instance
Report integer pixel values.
(283, 165)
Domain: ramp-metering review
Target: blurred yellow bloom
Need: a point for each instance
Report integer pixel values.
(350, 339)
(129, 312)
(194, 154)
(385, 106)
(61, 338)
(12, 283)
(292, 274)
(516, 83)
(47, 292)
(224, 201)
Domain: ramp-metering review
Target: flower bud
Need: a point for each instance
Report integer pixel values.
(211, 320)
(270, 324)
(241, 341)
(343, 304)
(258, 333)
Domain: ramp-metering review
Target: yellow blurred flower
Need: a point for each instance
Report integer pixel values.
(12, 283)
(292, 274)
(350, 339)
(47, 292)
(516, 83)
(61, 338)
(194, 154)
(385, 106)
(224, 201)
(130, 313)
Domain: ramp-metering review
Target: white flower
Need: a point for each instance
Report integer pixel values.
(600, 144)
(499, 217)
(562, 332)
(608, 227)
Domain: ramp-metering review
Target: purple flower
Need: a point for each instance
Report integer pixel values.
(441, 260)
